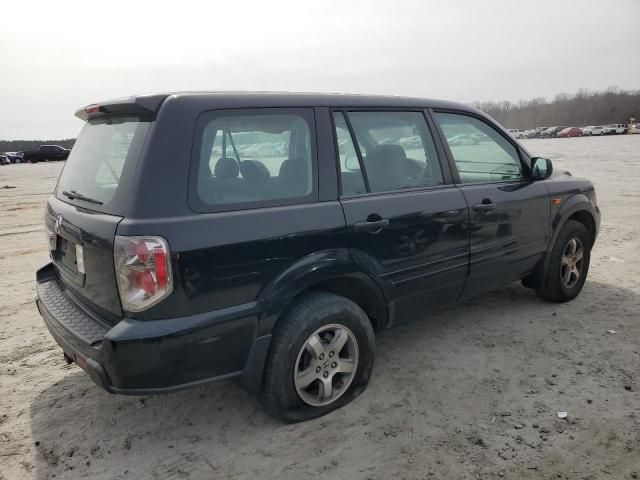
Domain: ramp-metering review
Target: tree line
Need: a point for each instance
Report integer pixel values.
(25, 145)
(612, 105)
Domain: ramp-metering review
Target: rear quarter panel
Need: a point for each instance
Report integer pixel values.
(219, 259)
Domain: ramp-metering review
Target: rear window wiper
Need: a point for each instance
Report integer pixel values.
(73, 194)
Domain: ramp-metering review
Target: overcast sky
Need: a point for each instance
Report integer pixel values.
(58, 56)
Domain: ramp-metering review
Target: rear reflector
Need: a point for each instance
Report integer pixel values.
(143, 271)
(80, 258)
(92, 109)
(81, 361)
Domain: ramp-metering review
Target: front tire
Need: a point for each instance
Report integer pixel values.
(568, 264)
(321, 358)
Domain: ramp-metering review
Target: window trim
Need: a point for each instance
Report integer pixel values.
(334, 130)
(440, 153)
(522, 157)
(356, 146)
(197, 205)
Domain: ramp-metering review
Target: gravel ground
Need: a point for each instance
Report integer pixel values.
(471, 392)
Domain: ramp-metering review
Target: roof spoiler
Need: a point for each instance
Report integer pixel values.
(141, 105)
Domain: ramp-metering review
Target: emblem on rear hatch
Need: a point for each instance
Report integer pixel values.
(58, 224)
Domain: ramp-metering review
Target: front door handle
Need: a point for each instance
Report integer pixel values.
(373, 226)
(484, 206)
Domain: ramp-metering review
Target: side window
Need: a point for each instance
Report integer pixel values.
(481, 153)
(351, 177)
(398, 150)
(254, 159)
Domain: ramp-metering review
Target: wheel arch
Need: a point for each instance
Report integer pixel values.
(330, 271)
(587, 219)
(578, 208)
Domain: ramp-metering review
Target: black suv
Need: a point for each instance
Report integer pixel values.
(201, 236)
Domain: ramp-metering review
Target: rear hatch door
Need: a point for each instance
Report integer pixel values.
(89, 201)
(81, 248)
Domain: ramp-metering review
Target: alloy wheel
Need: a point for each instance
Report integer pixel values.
(572, 262)
(326, 365)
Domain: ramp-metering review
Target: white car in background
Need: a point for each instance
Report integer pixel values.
(635, 128)
(515, 133)
(593, 130)
(615, 129)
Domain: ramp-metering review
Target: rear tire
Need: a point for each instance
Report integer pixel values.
(304, 376)
(568, 264)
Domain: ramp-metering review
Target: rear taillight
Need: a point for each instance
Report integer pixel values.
(143, 271)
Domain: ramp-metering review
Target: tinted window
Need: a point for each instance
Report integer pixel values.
(481, 153)
(398, 150)
(98, 157)
(254, 158)
(351, 177)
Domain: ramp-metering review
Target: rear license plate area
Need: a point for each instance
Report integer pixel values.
(64, 257)
(65, 254)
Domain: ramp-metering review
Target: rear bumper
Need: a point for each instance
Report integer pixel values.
(152, 356)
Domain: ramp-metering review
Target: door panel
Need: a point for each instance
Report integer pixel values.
(421, 257)
(508, 239)
(411, 235)
(508, 213)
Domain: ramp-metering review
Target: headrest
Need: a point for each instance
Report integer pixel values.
(254, 170)
(226, 168)
(386, 167)
(293, 171)
(390, 152)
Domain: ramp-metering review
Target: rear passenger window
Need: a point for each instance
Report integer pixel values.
(397, 150)
(255, 158)
(481, 153)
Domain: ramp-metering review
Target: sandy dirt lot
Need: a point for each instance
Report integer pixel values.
(471, 392)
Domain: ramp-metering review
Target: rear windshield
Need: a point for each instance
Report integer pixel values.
(98, 159)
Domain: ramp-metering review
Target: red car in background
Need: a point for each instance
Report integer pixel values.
(570, 132)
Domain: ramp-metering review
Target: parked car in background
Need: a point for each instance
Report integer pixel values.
(594, 130)
(551, 132)
(277, 269)
(570, 132)
(463, 139)
(615, 129)
(14, 157)
(634, 128)
(4, 160)
(46, 153)
(535, 132)
(515, 133)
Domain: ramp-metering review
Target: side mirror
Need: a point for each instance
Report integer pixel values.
(541, 168)
(352, 163)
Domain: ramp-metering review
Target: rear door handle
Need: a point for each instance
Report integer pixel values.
(484, 207)
(371, 227)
